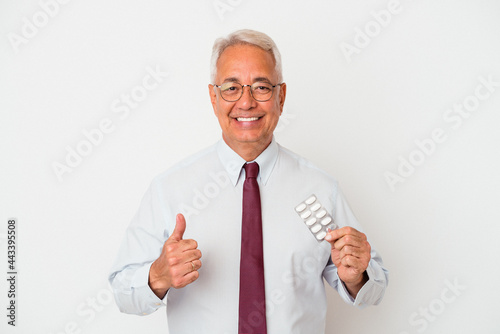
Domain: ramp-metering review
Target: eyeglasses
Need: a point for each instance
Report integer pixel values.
(260, 91)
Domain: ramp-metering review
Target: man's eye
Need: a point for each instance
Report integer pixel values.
(229, 89)
(262, 89)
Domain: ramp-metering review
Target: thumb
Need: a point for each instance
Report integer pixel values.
(180, 227)
(329, 237)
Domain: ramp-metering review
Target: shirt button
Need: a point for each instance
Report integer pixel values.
(158, 304)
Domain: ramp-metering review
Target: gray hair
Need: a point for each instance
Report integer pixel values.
(248, 37)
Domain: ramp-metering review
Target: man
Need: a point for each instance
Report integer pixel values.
(195, 209)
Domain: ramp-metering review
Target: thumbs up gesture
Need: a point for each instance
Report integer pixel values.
(178, 263)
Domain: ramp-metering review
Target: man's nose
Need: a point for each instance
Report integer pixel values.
(246, 100)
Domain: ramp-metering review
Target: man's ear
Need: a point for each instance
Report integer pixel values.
(213, 96)
(282, 96)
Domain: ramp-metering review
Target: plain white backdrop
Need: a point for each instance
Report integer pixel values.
(399, 100)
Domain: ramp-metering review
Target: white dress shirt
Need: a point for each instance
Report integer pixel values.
(207, 188)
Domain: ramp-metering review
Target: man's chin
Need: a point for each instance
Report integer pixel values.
(247, 140)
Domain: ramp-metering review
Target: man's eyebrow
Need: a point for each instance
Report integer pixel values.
(262, 79)
(231, 79)
(258, 79)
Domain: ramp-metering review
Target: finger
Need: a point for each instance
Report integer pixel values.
(180, 228)
(193, 265)
(355, 240)
(330, 236)
(357, 260)
(350, 261)
(187, 245)
(192, 255)
(197, 264)
(334, 235)
(354, 263)
(189, 278)
(344, 231)
(350, 250)
(190, 267)
(360, 249)
(177, 249)
(352, 256)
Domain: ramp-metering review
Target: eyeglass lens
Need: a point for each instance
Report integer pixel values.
(232, 91)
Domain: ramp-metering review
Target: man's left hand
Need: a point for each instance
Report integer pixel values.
(351, 255)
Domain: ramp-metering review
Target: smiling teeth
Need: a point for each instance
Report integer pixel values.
(249, 119)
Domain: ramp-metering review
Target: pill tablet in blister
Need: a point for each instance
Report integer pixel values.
(300, 207)
(326, 221)
(315, 207)
(321, 214)
(310, 200)
(306, 214)
(316, 217)
(321, 235)
(311, 221)
(316, 228)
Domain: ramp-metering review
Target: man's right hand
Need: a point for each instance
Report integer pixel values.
(178, 263)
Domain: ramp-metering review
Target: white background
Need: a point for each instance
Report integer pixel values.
(355, 116)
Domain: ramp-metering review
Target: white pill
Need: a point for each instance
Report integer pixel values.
(316, 228)
(310, 221)
(305, 214)
(321, 235)
(300, 207)
(321, 214)
(315, 207)
(326, 221)
(310, 200)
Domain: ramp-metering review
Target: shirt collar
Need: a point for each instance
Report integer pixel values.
(233, 163)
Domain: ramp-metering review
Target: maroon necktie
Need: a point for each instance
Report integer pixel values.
(252, 315)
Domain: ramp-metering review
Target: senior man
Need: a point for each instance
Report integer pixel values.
(234, 203)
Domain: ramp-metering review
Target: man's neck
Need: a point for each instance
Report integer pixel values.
(248, 151)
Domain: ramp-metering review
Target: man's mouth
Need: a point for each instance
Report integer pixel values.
(247, 119)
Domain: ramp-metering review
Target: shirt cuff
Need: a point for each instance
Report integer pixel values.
(373, 290)
(140, 286)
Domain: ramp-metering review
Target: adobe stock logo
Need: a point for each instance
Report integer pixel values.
(373, 28)
(87, 311)
(286, 119)
(203, 196)
(30, 28)
(223, 6)
(121, 106)
(454, 116)
(422, 318)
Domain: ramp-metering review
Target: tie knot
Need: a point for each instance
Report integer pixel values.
(251, 169)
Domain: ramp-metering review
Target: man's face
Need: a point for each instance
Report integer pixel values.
(247, 123)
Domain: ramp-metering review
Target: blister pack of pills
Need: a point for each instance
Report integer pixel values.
(315, 216)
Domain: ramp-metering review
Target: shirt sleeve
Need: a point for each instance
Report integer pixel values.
(378, 277)
(141, 246)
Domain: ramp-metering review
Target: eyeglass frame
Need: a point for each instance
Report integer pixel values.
(251, 94)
